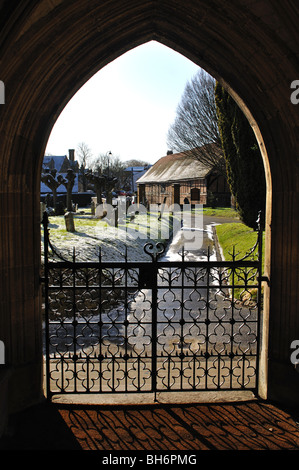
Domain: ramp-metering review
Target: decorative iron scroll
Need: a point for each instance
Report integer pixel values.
(153, 326)
(154, 250)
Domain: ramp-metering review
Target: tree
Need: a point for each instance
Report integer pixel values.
(84, 154)
(244, 165)
(111, 166)
(101, 183)
(135, 162)
(68, 182)
(195, 127)
(97, 180)
(49, 179)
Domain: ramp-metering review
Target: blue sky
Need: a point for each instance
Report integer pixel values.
(127, 107)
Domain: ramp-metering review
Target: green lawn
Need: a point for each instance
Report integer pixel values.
(241, 239)
(235, 235)
(227, 212)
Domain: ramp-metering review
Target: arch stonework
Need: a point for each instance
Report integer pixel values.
(50, 48)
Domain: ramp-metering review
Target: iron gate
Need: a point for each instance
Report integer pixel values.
(122, 327)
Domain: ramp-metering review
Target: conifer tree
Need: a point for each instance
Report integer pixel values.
(244, 165)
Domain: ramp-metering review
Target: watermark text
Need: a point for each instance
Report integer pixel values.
(156, 222)
(2, 353)
(2, 92)
(295, 354)
(295, 93)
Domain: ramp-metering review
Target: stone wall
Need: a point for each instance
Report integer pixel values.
(48, 50)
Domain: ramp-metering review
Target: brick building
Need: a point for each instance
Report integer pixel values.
(179, 178)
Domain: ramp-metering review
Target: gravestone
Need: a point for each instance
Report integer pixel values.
(69, 222)
(100, 211)
(43, 207)
(93, 208)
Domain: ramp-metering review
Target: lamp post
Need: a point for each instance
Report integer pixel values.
(108, 154)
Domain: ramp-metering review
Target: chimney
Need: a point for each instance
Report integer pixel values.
(72, 155)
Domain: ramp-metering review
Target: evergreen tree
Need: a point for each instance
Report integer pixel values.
(244, 165)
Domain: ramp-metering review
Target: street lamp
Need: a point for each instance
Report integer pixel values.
(108, 154)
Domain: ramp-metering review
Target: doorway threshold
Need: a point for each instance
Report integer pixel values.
(170, 398)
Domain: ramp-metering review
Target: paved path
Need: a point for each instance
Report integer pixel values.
(204, 238)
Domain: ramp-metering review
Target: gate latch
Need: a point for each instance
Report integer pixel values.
(265, 279)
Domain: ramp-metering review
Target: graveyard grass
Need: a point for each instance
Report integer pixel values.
(92, 233)
(129, 238)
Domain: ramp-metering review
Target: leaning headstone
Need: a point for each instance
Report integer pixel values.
(93, 208)
(43, 207)
(69, 222)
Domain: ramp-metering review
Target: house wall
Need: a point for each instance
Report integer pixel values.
(186, 188)
(158, 193)
(164, 193)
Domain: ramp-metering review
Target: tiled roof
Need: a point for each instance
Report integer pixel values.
(57, 159)
(175, 167)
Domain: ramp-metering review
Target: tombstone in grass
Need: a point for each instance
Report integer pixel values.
(69, 222)
(43, 207)
(93, 207)
(100, 211)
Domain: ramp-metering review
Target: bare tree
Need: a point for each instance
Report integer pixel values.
(195, 127)
(84, 154)
(111, 166)
(50, 180)
(68, 182)
(97, 180)
(135, 162)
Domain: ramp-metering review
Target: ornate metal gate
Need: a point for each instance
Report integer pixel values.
(122, 327)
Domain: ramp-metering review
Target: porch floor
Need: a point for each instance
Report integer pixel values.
(177, 428)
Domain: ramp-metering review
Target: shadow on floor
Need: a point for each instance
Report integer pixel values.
(190, 427)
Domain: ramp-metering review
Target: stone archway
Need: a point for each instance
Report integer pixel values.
(49, 49)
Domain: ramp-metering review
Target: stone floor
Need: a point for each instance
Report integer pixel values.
(144, 429)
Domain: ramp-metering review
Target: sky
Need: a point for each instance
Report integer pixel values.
(127, 107)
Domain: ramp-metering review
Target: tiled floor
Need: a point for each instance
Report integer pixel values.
(192, 427)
